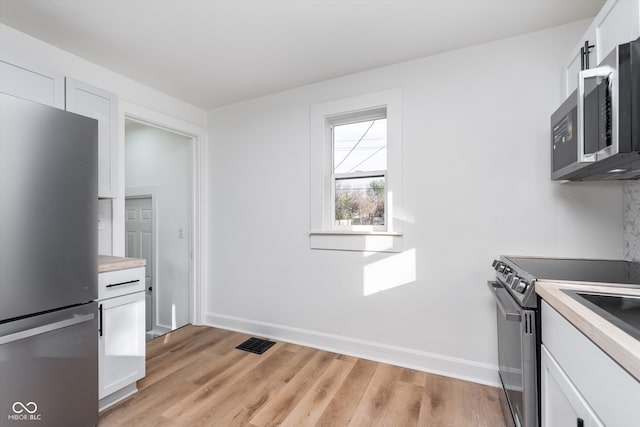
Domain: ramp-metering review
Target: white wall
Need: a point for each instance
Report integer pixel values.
(161, 159)
(37, 52)
(476, 175)
(134, 98)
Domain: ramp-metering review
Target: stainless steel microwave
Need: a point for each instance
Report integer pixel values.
(595, 134)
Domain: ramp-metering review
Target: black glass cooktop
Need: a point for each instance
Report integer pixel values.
(580, 270)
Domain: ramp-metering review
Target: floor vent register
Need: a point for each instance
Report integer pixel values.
(256, 345)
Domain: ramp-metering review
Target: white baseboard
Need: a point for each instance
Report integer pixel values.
(112, 399)
(482, 373)
(161, 329)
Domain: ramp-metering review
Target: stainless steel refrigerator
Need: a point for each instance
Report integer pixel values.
(48, 266)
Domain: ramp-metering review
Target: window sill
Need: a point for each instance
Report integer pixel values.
(364, 241)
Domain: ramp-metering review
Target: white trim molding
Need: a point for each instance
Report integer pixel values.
(468, 370)
(199, 212)
(322, 233)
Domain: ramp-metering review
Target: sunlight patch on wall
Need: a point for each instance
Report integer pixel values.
(389, 272)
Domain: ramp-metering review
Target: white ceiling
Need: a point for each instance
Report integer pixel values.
(216, 52)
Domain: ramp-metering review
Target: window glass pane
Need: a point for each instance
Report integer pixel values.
(360, 147)
(360, 201)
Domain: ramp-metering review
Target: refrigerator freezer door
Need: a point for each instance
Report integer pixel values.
(48, 208)
(49, 369)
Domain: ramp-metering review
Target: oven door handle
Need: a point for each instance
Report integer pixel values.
(509, 316)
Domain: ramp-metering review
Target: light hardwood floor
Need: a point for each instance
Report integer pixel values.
(196, 377)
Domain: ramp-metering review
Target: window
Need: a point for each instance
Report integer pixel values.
(359, 171)
(356, 175)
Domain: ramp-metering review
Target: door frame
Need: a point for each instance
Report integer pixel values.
(151, 191)
(199, 200)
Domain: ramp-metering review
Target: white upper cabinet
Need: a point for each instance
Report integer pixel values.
(575, 62)
(32, 83)
(96, 103)
(617, 22)
(49, 88)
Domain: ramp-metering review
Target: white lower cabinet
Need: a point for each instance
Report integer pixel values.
(562, 404)
(121, 344)
(581, 385)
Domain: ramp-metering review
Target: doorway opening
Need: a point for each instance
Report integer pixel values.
(159, 220)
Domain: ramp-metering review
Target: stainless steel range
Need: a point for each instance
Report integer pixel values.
(518, 320)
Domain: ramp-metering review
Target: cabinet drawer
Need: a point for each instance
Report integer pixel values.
(120, 282)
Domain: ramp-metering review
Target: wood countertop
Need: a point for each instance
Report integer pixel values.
(619, 345)
(111, 263)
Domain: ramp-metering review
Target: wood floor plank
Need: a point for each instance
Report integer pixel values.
(403, 406)
(177, 358)
(311, 406)
(412, 376)
(204, 411)
(440, 401)
(376, 398)
(174, 339)
(196, 377)
(479, 399)
(223, 367)
(239, 412)
(275, 411)
(208, 394)
(170, 388)
(348, 397)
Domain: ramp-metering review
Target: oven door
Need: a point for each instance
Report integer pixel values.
(517, 356)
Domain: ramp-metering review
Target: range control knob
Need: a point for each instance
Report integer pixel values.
(514, 281)
(521, 286)
(501, 268)
(495, 264)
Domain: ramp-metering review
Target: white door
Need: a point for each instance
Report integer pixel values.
(139, 244)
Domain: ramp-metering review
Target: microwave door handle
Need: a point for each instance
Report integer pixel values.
(602, 71)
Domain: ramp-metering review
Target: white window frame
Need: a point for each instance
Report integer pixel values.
(324, 234)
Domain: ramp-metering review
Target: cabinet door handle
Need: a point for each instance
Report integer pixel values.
(585, 51)
(123, 283)
(580, 422)
(100, 328)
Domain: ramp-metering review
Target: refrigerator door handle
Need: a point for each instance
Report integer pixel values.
(46, 328)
